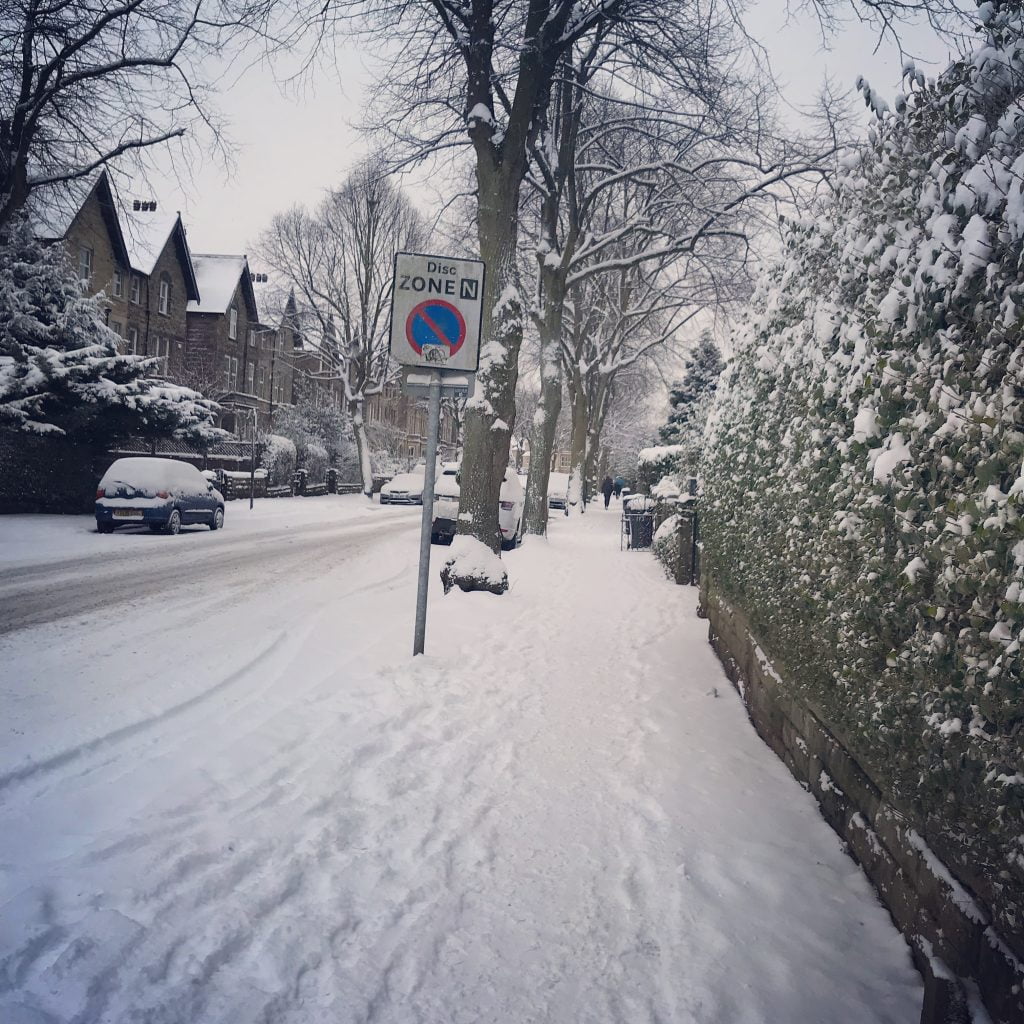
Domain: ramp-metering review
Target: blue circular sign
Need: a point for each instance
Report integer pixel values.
(435, 322)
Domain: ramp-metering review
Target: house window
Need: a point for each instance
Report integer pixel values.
(250, 372)
(136, 288)
(115, 326)
(161, 348)
(165, 295)
(85, 264)
(133, 340)
(118, 283)
(230, 373)
(232, 323)
(252, 337)
(263, 390)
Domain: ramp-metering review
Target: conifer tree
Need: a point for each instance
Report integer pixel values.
(699, 382)
(61, 371)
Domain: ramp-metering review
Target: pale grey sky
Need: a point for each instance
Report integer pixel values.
(291, 146)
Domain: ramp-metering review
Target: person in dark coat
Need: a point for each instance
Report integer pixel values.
(606, 489)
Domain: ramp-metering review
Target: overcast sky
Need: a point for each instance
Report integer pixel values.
(290, 147)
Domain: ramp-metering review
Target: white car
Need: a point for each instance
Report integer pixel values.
(558, 491)
(446, 507)
(404, 488)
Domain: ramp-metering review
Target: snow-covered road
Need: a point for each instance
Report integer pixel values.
(236, 798)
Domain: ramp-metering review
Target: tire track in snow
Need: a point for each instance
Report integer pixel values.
(50, 764)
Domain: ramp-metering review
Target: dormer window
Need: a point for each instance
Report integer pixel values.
(232, 323)
(165, 294)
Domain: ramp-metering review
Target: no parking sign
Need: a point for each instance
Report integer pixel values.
(436, 309)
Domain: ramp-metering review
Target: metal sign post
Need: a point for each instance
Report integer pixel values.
(436, 313)
(427, 519)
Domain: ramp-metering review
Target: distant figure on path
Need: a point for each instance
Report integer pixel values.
(620, 482)
(606, 489)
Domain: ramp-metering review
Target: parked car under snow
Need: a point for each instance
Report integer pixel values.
(558, 491)
(404, 488)
(163, 494)
(446, 508)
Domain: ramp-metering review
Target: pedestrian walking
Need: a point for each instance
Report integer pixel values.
(606, 489)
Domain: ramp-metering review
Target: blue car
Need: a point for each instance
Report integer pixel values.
(163, 494)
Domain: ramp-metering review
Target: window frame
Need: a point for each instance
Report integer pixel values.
(233, 323)
(132, 338)
(117, 283)
(136, 289)
(85, 262)
(164, 295)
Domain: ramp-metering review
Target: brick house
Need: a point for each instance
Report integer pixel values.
(138, 259)
(229, 349)
(405, 419)
(161, 283)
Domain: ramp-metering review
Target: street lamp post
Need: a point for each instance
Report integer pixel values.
(252, 463)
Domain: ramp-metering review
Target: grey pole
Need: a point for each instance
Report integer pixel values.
(252, 461)
(427, 519)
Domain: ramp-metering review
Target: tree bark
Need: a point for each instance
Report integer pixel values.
(578, 449)
(355, 411)
(490, 414)
(545, 420)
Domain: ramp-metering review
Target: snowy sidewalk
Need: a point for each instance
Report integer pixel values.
(549, 818)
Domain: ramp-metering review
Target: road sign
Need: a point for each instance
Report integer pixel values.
(436, 310)
(416, 382)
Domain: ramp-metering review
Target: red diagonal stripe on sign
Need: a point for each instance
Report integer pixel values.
(438, 333)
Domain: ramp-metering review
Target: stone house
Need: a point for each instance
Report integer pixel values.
(402, 421)
(153, 297)
(232, 356)
(138, 258)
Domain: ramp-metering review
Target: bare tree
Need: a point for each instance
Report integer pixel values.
(339, 261)
(85, 81)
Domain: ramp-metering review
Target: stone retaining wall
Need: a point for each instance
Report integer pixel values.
(971, 974)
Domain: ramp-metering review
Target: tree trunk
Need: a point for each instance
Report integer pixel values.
(578, 450)
(545, 419)
(355, 411)
(490, 413)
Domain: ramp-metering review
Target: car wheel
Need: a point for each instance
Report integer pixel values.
(218, 519)
(104, 527)
(173, 526)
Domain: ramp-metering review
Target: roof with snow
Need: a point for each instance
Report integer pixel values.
(219, 276)
(147, 234)
(52, 209)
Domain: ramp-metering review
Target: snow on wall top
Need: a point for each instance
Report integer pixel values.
(217, 277)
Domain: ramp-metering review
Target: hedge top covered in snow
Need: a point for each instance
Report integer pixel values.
(864, 488)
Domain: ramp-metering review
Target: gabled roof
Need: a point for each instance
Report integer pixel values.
(53, 209)
(218, 277)
(147, 234)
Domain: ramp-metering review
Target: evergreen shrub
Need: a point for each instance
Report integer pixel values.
(863, 470)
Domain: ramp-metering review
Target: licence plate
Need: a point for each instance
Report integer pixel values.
(127, 513)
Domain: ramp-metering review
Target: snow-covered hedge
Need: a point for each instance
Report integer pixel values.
(279, 458)
(666, 544)
(864, 483)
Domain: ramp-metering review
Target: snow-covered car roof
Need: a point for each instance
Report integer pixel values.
(410, 481)
(151, 474)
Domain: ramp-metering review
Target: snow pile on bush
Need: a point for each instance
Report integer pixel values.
(864, 482)
(278, 459)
